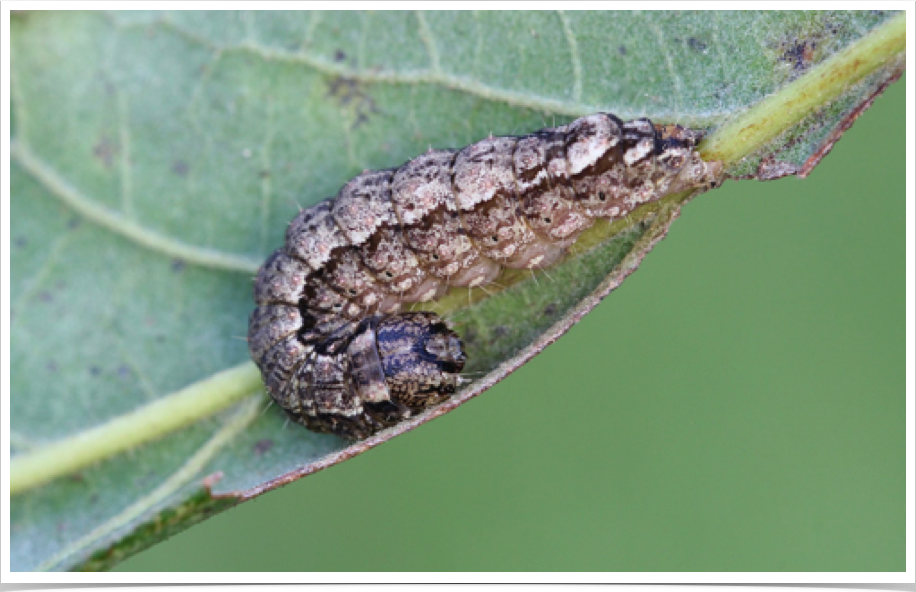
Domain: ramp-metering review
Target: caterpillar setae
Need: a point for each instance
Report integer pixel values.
(333, 347)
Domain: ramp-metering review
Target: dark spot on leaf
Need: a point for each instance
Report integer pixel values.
(95, 370)
(696, 45)
(350, 95)
(550, 309)
(262, 446)
(722, 91)
(180, 168)
(178, 265)
(500, 331)
(45, 296)
(21, 241)
(105, 150)
(110, 88)
(339, 56)
(124, 371)
(74, 223)
(800, 54)
(622, 50)
(51, 366)
(343, 90)
(264, 174)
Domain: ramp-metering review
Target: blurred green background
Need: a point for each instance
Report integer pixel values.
(738, 404)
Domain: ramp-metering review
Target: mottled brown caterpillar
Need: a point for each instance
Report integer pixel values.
(334, 350)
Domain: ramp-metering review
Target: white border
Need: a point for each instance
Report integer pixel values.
(466, 577)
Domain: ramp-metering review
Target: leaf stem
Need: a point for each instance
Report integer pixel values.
(825, 82)
(152, 421)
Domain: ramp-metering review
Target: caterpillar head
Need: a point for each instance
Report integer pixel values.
(421, 357)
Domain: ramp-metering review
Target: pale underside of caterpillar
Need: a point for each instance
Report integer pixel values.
(333, 347)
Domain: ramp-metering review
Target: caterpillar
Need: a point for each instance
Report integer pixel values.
(334, 349)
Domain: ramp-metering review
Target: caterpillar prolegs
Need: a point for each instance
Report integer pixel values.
(333, 347)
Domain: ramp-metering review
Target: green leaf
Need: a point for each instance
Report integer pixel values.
(157, 158)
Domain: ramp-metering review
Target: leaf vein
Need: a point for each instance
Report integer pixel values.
(126, 169)
(18, 100)
(361, 42)
(573, 56)
(119, 224)
(467, 85)
(145, 384)
(463, 84)
(248, 24)
(37, 278)
(314, 21)
(675, 77)
(266, 185)
(720, 53)
(426, 35)
(202, 82)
